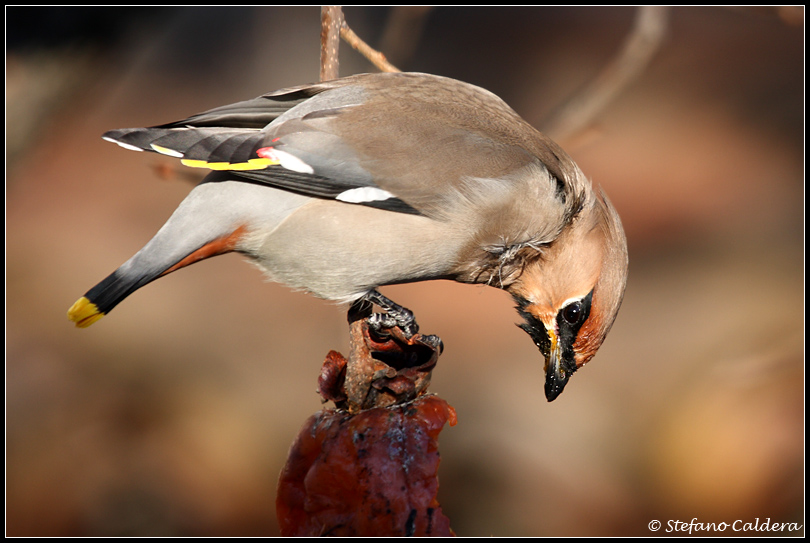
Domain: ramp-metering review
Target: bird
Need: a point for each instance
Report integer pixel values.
(341, 187)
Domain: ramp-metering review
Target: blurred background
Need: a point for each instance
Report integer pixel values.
(173, 415)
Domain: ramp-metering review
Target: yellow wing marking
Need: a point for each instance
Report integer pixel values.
(252, 164)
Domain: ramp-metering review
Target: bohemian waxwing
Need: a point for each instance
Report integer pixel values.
(340, 187)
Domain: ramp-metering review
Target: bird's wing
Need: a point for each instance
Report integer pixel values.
(414, 144)
(264, 140)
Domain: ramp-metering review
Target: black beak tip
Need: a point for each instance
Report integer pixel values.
(555, 385)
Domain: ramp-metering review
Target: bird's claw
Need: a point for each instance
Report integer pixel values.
(395, 316)
(380, 322)
(434, 342)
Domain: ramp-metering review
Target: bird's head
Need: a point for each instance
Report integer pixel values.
(570, 293)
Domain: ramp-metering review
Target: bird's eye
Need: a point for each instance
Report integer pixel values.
(572, 313)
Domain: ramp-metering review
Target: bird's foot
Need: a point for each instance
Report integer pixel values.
(395, 315)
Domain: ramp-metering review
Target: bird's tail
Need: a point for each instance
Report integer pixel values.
(200, 228)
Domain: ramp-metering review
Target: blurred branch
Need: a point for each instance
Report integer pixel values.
(331, 21)
(403, 31)
(639, 47)
(789, 15)
(170, 172)
(374, 56)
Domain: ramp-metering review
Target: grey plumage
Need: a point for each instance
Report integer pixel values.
(341, 187)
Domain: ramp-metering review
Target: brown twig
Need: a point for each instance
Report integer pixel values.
(639, 47)
(331, 22)
(374, 56)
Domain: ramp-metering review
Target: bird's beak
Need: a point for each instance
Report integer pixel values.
(557, 374)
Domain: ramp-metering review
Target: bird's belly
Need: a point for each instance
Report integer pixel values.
(340, 251)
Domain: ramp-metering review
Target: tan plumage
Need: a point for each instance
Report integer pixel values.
(341, 187)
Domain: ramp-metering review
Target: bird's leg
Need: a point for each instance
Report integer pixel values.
(395, 315)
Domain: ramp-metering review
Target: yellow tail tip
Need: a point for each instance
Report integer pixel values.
(84, 313)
